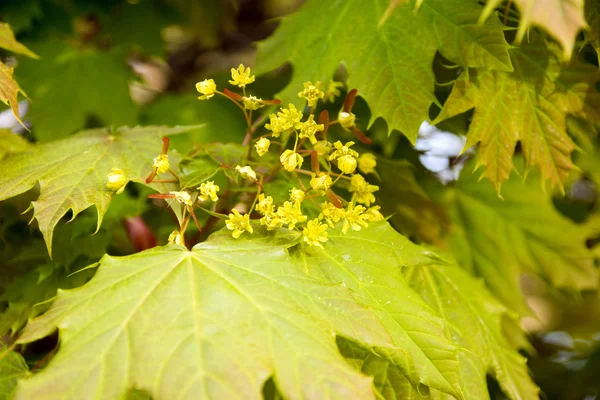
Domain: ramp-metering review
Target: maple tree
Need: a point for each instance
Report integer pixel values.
(173, 225)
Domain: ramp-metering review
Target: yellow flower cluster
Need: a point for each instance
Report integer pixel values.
(161, 163)
(241, 76)
(311, 93)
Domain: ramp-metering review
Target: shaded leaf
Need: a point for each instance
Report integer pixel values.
(20, 14)
(499, 239)
(229, 321)
(562, 19)
(69, 87)
(391, 65)
(72, 172)
(195, 171)
(412, 212)
(592, 16)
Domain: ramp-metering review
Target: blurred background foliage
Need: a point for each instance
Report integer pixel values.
(117, 62)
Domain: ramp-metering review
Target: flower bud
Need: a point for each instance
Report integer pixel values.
(262, 146)
(161, 163)
(346, 119)
(347, 164)
(367, 163)
(116, 180)
(207, 88)
(323, 147)
(175, 238)
(291, 160)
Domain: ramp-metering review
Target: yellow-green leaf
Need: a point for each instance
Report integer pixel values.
(9, 90)
(8, 42)
(72, 172)
(12, 367)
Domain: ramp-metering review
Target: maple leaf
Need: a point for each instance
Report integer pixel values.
(69, 86)
(12, 367)
(389, 65)
(529, 105)
(369, 264)
(562, 19)
(8, 42)
(214, 322)
(500, 239)
(72, 172)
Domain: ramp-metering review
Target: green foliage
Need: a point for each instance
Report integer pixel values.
(88, 157)
(281, 279)
(500, 239)
(390, 65)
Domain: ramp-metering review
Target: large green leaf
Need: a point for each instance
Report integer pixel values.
(214, 322)
(474, 322)
(70, 88)
(530, 106)
(12, 143)
(12, 367)
(476, 328)
(499, 239)
(562, 19)
(390, 65)
(72, 172)
(369, 264)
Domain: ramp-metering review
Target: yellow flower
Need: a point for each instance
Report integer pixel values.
(321, 182)
(297, 195)
(309, 128)
(354, 219)
(238, 223)
(367, 163)
(116, 180)
(291, 214)
(207, 87)
(241, 76)
(253, 103)
(265, 204)
(315, 233)
(183, 197)
(346, 119)
(311, 93)
(271, 221)
(345, 156)
(331, 214)
(332, 90)
(291, 160)
(262, 146)
(290, 117)
(208, 189)
(362, 190)
(373, 214)
(323, 147)
(276, 125)
(175, 238)
(247, 172)
(161, 163)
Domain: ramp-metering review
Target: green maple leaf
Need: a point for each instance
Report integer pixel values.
(70, 87)
(500, 239)
(562, 19)
(12, 367)
(477, 315)
(390, 65)
(72, 172)
(20, 14)
(369, 264)
(214, 322)
(530, 106)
